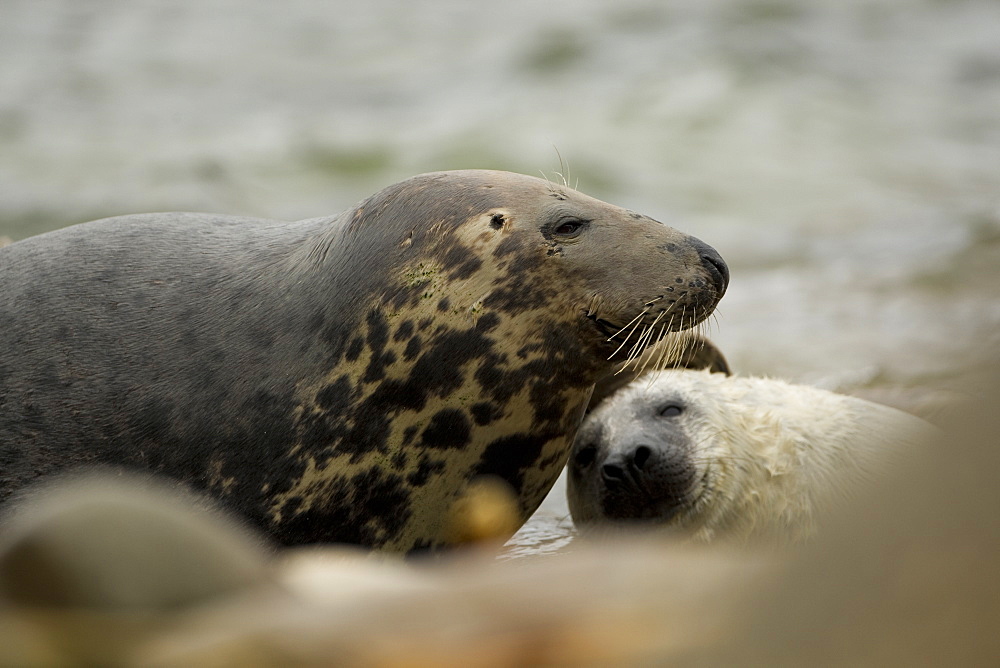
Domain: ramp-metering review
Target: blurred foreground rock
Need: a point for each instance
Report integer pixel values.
(123, 572)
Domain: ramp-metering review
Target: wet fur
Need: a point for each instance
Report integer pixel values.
(765, 455)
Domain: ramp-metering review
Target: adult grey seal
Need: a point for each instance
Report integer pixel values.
(338, 379)
(712, 456)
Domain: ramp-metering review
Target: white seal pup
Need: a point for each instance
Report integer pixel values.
(743, 458)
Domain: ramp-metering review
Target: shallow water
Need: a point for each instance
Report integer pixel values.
(843, 156)
(549, 531)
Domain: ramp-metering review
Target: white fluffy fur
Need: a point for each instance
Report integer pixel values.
(771, 455)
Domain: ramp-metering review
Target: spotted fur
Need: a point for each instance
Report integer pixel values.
(341, 378)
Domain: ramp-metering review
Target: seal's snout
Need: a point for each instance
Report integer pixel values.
(715, 265)
(645, 481)
(618, 472)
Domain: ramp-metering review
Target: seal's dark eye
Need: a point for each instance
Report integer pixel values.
(671, 410)
(569, 228)
(585, 456)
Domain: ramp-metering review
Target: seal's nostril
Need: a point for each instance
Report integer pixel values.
(713, 262)
(611, 472)
(641, 456)
(717, 267)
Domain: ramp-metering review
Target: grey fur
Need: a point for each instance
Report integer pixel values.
(339, 378)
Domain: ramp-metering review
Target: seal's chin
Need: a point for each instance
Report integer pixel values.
(654, 508)
(648, 514)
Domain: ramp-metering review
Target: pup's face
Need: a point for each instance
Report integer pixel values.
(644, 454)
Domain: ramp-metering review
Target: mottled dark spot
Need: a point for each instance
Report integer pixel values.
(316, 322)
(488, 322)
(404, 331)
(459, 261)
(351, 426)
(425, 323)
(516, 297)
(485, 412)
(336, 396)
(523, 264)
(495, 380)
(368, 508)
(453, 254)
(496, 221)
(549, 406)
(448, 429)
(413, 347)
(678, 280)
(439, 368)
(577, 367)
(378, 330)
(375, 371)
(402, 298)
(409, 433)
(293, 505)
(558, 457)
(395, 395)
(466, 269)
(319, 432)
(399, 460)
(365, 426)
(437, 372)
(425, 469)
(510, 456)
(508, 246)
(334, 338)
(443, 305)
(354, 349)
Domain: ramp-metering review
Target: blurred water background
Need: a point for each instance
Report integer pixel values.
(842, 155)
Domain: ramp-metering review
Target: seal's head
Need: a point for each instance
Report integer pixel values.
(509, 243)
(715, 456)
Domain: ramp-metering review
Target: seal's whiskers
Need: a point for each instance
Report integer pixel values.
(637, 320)
(638, 317)
(658, 341)
(670, 349)
(642, 343)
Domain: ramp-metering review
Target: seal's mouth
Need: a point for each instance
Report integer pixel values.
(658, 319)
(671, 312)
(654, 507)
(605, 327)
